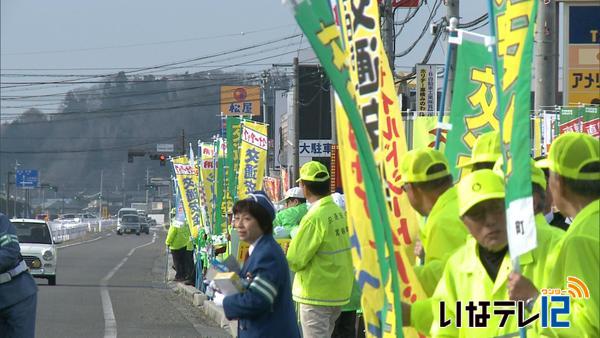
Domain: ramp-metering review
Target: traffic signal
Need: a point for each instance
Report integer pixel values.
(162, 159)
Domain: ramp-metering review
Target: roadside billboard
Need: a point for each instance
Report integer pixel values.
(240, 100)
(581, 77)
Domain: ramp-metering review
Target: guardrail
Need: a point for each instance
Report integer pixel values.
(65, 231)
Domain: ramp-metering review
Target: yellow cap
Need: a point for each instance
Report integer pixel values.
(415, 163)
(569, 153)
(537, 174)
(313, 171)
(487, 148)
(478, 186)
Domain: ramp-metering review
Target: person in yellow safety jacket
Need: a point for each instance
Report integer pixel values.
(538, 191)
(574, 163)
(422, 316)
(320, 256)
(479, 270)
(486, 150)
(428, 184)
(178, 241)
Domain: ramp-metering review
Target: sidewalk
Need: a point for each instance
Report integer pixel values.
(200, 303)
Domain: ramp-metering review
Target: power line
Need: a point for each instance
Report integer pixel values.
(137, 70)
(209, 37)
(110, 148)
(143, 94)
(436, 6)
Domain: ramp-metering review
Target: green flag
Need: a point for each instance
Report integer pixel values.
(473, 110)
(234, 138)
(570, 119)
(513, 27)
(591, 120)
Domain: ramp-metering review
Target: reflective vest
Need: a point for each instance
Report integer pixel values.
(441, 235)
(320, 256)
(465, 279)
(178, 238)
(577, 254)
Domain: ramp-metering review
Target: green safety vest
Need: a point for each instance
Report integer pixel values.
(290, 217)
(442, 234)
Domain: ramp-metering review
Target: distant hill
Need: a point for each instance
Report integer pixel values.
(95, 126)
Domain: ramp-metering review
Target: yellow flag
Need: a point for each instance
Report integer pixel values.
(253, 158)
(376, 97)
(187, 183)
(207, 174)
(424, 130)
(364, 255)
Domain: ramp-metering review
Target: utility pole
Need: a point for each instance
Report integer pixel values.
(453, 11)
(147, 182)
(295, 173)
(100, 201)
(182, 142)
(8, 191)
(546, 56)
(15, 204)
(387, 31)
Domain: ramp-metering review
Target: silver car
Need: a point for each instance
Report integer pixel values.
(129, 223)
(37, 247)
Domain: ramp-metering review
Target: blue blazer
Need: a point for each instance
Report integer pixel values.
(23, 285)
(265, 309)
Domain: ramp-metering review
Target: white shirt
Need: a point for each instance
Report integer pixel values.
(253, 245)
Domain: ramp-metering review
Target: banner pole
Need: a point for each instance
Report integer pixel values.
(438, 132)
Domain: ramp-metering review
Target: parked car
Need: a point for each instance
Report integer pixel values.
(69, 218)
(37, 247)
(88, 218)
(129, 223)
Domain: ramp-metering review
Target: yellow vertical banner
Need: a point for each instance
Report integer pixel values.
(537, 136)
(378, 101)
(424, 130)
(364, 254)
(207, 174)
(253, 158)
(186, 175)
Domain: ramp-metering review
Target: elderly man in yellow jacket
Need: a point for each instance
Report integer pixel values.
(320, 256)
(479, 270)
(574, 163)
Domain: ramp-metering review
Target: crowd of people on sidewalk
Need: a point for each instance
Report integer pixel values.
(310, 291)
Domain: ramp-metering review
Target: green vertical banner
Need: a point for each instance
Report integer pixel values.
(571, 120)
(591, 120)
(234, 138)
(220, 161)
(513, 24)
(473, 110)
(316, 20)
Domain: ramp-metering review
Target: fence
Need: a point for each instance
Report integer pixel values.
(65, 231)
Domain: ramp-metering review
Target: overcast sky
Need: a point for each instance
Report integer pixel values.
(72, 37)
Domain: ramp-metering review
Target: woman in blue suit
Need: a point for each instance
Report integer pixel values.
(265, 308)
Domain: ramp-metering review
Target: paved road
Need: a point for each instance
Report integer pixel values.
(115, 286)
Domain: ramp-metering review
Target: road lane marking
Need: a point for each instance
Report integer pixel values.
(79, 243)
(110, 322)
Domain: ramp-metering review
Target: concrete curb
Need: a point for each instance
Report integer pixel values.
(199, 300)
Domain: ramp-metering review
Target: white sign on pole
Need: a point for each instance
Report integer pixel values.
(165, 148)
(314, 148)
(426, 88)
